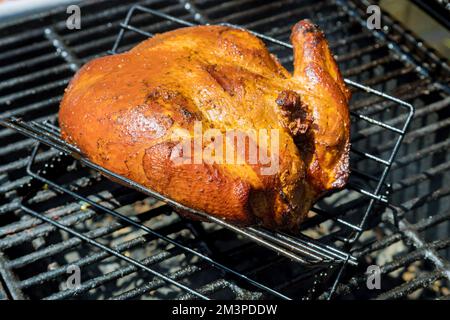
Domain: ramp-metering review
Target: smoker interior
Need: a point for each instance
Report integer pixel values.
(408, 239)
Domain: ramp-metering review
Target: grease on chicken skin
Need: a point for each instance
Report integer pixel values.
(122, 110)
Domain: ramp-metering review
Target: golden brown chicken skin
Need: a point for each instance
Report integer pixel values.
(123, 111)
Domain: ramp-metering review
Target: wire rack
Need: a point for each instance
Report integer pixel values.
(300, 247)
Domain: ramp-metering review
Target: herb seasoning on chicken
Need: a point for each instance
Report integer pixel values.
(123, 111)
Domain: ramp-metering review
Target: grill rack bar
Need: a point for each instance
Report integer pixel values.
(148, 230)
(353, 10)
(374, 197)
(111, 251)
(422, 251)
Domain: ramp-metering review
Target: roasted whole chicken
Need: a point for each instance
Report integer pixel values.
(209, 118)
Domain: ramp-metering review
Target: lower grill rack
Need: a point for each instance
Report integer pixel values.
(318, 254)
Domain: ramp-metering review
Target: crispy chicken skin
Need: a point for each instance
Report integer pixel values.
(123, 110)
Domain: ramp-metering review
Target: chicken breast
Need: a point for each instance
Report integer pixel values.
(208, 117)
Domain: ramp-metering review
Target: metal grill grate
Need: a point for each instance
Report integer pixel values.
(343, 213)
(301, 249)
